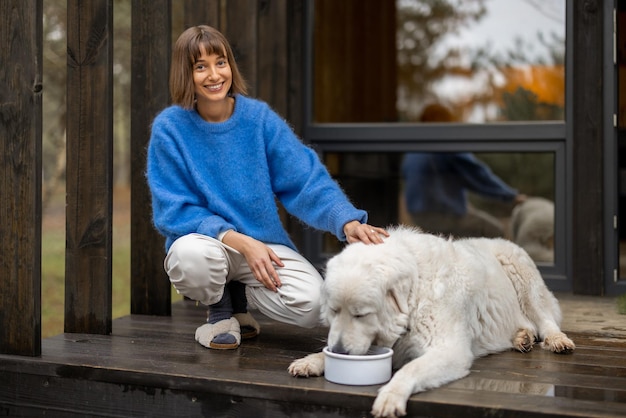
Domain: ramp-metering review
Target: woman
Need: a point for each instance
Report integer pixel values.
(217, 162)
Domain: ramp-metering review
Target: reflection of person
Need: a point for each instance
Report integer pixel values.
(217, 162)
(437, 184)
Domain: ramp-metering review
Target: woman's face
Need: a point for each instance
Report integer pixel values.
(212, 78)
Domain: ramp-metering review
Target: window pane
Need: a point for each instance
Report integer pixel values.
(459, 194)
(487, 60)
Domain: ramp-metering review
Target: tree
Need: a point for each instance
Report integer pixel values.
(496, 84)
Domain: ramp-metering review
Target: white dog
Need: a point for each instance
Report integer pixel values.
(439, 303)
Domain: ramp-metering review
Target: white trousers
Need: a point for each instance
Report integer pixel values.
(199, 267)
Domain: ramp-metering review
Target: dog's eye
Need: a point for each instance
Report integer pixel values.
(359, 316)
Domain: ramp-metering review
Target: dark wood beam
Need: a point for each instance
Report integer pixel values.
(150, 286)
(89, 178)
(20, 176)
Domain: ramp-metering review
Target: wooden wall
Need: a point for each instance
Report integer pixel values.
(349, 35)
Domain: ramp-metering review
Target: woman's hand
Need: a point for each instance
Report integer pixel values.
(260, 258)
(357, 232)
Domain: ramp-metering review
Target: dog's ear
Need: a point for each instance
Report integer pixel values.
(398, 301)
(396, 285)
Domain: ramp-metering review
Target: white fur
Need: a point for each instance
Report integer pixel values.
(439, 303)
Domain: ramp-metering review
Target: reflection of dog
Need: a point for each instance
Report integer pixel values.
(439, 303)
(532, 228)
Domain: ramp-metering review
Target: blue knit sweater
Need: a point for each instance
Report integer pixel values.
(211, 177)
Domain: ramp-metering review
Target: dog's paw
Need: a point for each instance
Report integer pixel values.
(392, 398)
(523, 340)
(389, 404)
(558, 343)
(311, 365)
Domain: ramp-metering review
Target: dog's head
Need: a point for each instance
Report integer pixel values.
(365, 296)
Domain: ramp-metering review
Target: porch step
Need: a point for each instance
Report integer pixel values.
(152, 367)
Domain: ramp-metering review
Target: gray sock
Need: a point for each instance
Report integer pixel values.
(221, 310)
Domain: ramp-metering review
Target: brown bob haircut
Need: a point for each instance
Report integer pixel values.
(187, 50)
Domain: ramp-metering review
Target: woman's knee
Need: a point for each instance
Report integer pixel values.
(197, 268)
(305, 305)
(310, 317)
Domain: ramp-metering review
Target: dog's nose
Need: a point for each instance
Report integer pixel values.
(339, 348)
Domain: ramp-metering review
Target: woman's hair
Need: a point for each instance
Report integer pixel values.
(187, 50)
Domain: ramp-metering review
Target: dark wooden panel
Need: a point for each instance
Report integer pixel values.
(296, 39)
(150, 286)
(201, 12)
(587, 230)
(89, 176)
(239, 23)
(295, 91)
(345, 32)
(20, 176)
(273, 55)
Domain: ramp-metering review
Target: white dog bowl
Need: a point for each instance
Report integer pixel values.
(372, 368)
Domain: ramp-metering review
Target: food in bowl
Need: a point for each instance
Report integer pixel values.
(372, 368)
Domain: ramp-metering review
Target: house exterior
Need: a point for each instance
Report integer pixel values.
(317, 63)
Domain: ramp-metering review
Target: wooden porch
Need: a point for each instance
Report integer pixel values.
(151, 366)
(147, 364)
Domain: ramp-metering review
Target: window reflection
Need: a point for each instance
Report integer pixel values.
(448, 203)
(490, 60)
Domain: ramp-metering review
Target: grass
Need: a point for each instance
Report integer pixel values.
(53, 263)
(53, 278)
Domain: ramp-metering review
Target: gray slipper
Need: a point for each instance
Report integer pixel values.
(212, 335)
(250, 328)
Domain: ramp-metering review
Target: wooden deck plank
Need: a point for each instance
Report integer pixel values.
(152, 366)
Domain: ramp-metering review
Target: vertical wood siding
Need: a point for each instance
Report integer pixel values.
(20, 176)
(150, 61)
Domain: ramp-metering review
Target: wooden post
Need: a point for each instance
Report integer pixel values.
(20, 176)
(587, 134)
(89, 167)
(151, 28)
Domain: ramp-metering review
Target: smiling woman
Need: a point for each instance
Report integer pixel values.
(202, 53)
(217, 162)
(212, 77)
